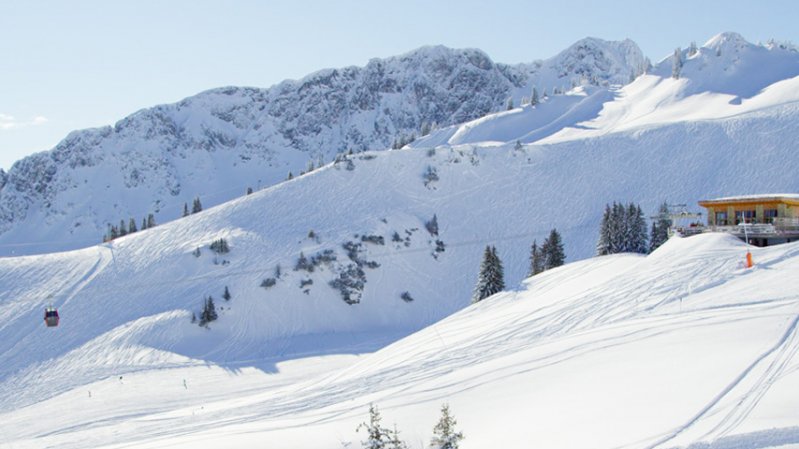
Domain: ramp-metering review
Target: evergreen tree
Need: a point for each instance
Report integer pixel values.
(132, 226)
(185, 210)
(536, 259)
(150, 221)
(510, 104)
(676, 63)
(113, 232)
(444, 434)
(534, 98)
(394, 441)
(432, 225)
(623, 229)
(603, 244)
(637, 225)
(491, 278)
(123, 230)
(249, 190)
(660, 228)
(196, 206)
(376, 436)
(290, 176)
(209, 311)
(552, 250)
(226, 295)
(692, 50)
(143, 224)
(617, 228)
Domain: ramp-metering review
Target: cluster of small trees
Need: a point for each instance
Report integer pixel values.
(490, 279)
(219, 246)
(378, 437)
(208, 313)
(549, 255)
(122, 230)
(622, 230)
(196, 206)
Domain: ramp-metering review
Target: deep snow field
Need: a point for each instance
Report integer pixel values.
(684, 348)
(620, 351)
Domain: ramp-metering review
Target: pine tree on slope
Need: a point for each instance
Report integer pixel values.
(636, 230)
(676, 63)
(660, 228)
(603, 244)
(444, 434)
(209, 312)
(376, 436)
(394, 441)
(536, 259)
(490, 280)
(553, 250)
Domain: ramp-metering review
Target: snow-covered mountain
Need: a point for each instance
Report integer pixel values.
(345, 260)
(217, 144)
(726, 77)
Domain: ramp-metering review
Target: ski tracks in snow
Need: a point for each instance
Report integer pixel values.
(780, 355)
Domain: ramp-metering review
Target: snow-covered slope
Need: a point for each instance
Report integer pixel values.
(682, 346)
(218, 143)
(710, 344)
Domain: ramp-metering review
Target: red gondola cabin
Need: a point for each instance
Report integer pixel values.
(51, 317)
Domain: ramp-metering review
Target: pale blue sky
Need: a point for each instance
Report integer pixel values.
(67, 65)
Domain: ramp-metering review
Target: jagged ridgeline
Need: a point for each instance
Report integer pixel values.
(220, 143)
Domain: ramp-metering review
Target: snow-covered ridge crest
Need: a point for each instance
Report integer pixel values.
(220, 142)
(726, 77)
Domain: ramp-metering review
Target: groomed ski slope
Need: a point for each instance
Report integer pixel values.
(623, 351)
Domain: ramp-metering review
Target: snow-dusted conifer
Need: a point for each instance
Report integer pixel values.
(209, 311)
(185, 210)
(676, 63)
(226, 295)
(377, 436)
(432, 225)
(113, 232)
(132, 226)
(660, 228)
(552, 250)
(123, 230)
(491, 278)
(637, 229)
(444, 434)
(150, 221)
(536, 259)
(692, 50)
(534, 97)
(510, 104)
(394, 441)
(617, 228)
(603, 244)
(196, 206)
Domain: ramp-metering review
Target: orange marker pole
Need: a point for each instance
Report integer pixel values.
(749, 262)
